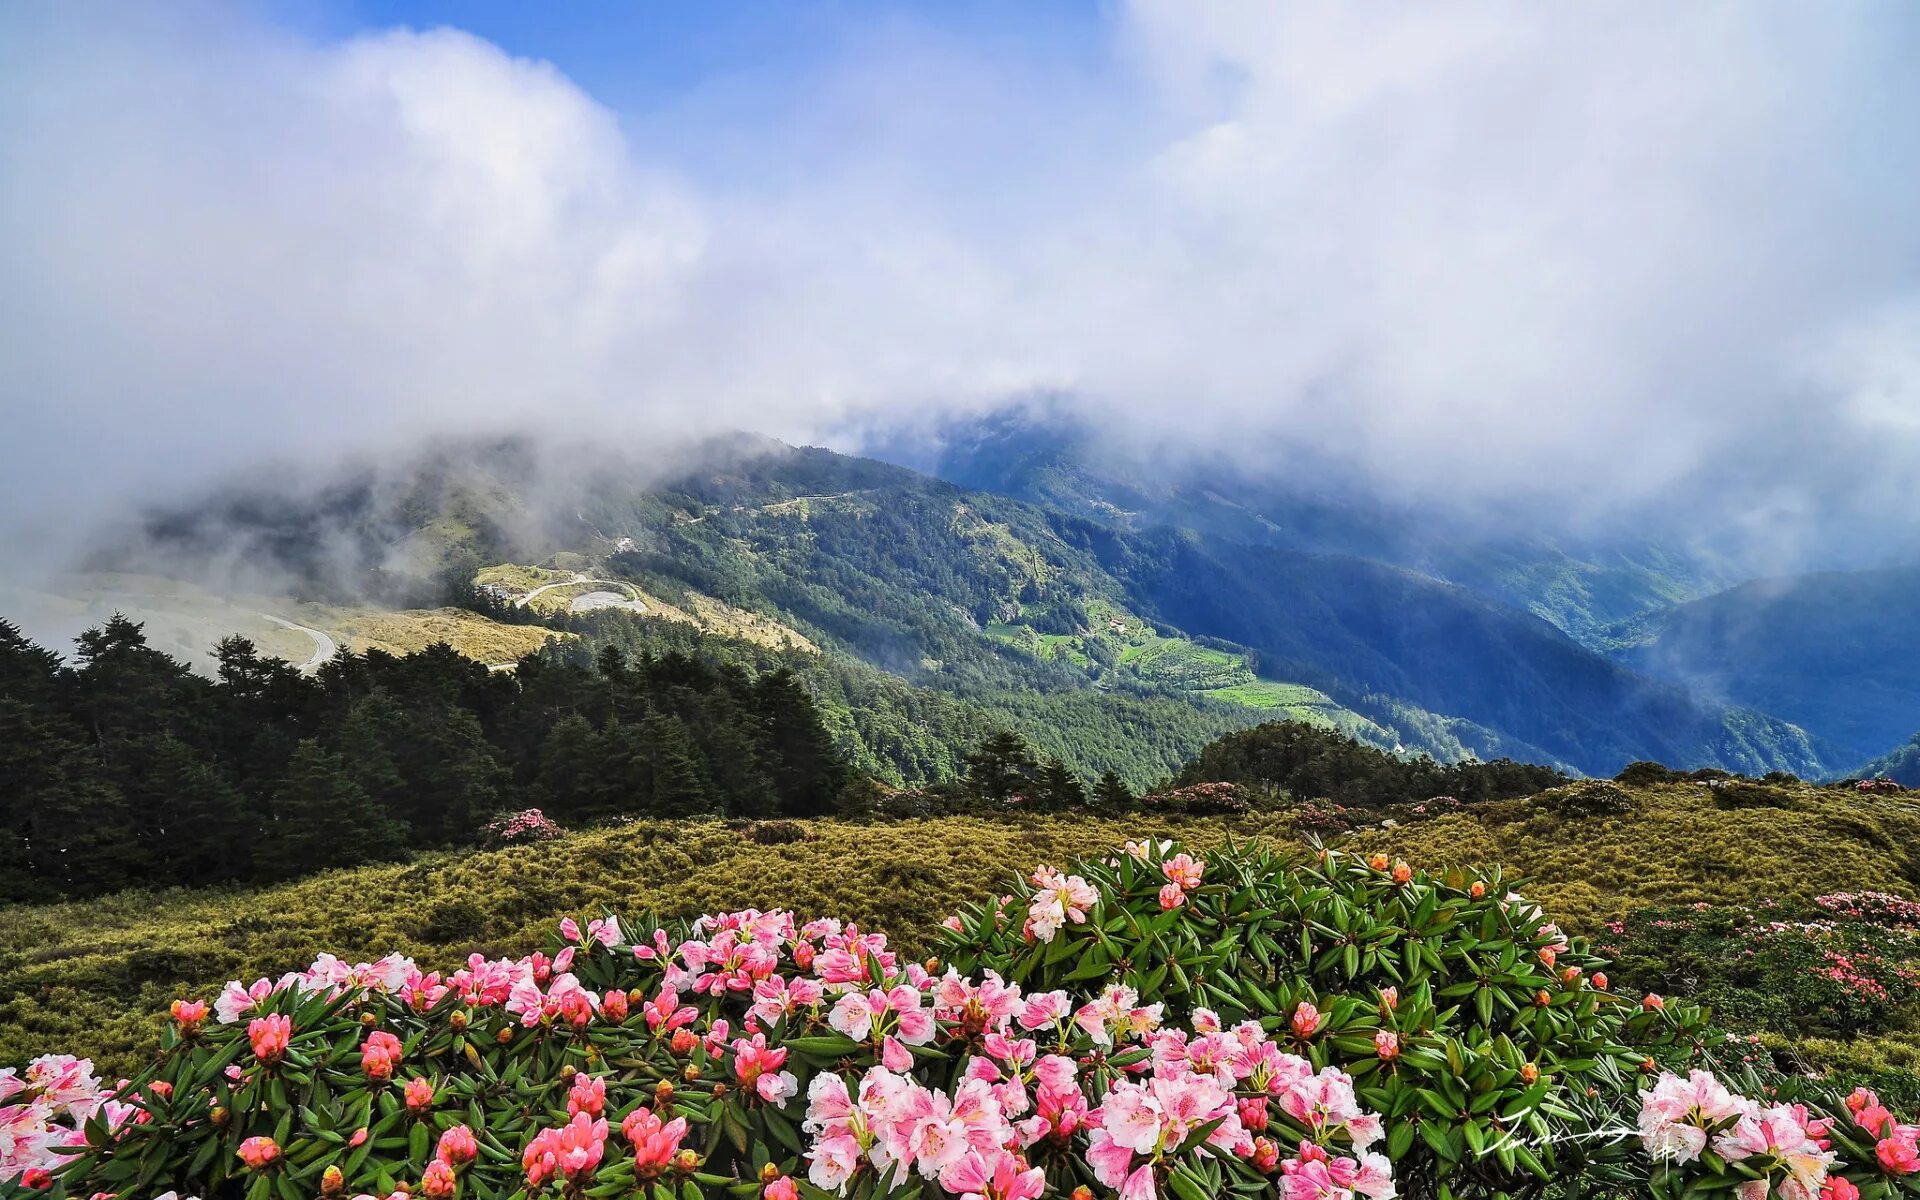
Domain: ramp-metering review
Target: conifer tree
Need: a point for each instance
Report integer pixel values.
(1000, 767)
(678, 775)
(321, 818)
(193, 821)
(805, 766)
(66, 827)
(570, 760)
(1057, 788)
(1111, 793)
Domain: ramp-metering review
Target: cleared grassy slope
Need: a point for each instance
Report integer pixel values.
(91, 977)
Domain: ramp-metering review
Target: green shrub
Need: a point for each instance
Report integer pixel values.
(1506, 1045)
(1587, 798)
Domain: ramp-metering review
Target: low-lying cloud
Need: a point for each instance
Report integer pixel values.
(1650, 258)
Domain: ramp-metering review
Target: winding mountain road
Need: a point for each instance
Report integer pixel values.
(324, 647)
(580, 577)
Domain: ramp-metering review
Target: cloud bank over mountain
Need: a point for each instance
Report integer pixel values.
(1585, 256)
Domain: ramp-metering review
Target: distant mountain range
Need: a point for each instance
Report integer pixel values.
(1837, 652)
(1059, 463)
(1031, 572)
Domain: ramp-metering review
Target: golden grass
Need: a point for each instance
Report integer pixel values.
(92, 977)
(411, 630)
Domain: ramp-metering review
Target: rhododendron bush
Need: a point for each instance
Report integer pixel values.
(1153, 1025)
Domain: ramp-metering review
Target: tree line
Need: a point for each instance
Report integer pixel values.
(126, 768)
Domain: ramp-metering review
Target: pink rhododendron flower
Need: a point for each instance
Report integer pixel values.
(1676, 1114)
(1306, 1020)
(259, 1152)
(587, 1095)
(1059, 899)
(1183, 871)
(270, 1036)
(571, 1152)
(379, 1054)
(757, 1065)
(418, 1094)
(457, 1146)
(654, 1142)
(1899, 1152)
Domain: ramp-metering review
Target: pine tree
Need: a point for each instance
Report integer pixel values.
(570, 762)
(321, 818)
(805, 766)
(66, 827)
(365, 731)
(1057, 788)
(678, 775)
(452, 777)
(192, 818)
(1000, 768)
(1112, 795)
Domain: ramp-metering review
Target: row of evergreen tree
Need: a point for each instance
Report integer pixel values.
(126, 768)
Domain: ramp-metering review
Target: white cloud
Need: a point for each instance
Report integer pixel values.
(1509, 250)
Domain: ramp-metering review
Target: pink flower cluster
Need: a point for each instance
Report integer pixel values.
(1898, 1146)
(1683, 1118)
(1879, 908)
(1183, 874)
(1058, 900)
(528, 825)
(41, 1110)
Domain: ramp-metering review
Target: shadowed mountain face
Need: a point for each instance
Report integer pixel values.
(979, 593)
(1836, 652)
(1049, 459)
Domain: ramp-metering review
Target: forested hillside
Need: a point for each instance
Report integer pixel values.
(1901, 764)
(991, 600)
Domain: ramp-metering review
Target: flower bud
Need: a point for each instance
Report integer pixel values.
(1266, 1154)
(332, 1181)
(1529, 1074)
(458, 1021)
(686, 1160)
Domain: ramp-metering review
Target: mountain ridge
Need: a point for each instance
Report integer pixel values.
(976, 593)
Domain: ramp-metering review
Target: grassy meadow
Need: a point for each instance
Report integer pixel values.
(93, 977)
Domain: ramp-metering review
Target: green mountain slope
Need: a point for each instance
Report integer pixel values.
(1901, 764)
(995, 600)
(1837, 653)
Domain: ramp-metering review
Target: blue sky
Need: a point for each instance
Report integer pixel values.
(745, 63)
(1670, 250)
